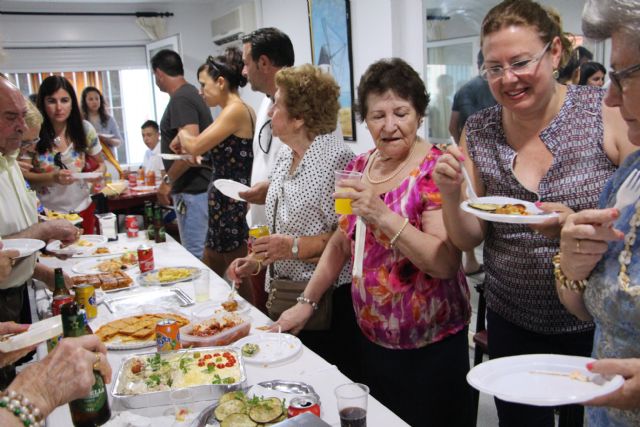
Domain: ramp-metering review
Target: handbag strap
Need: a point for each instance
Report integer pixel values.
(273, 228)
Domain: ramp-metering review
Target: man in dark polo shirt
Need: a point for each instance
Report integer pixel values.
(186, 184)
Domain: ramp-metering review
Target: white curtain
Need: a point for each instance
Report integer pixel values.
(154, 27)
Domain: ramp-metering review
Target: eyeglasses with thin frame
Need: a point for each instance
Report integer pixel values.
(617, 77)
(517, 68)
(31, 142)
(265, 137)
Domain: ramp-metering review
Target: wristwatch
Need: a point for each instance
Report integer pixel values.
(166, 179)
(294, 248)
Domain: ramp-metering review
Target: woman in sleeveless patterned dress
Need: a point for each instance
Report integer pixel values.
(544, 142)
(229, 139)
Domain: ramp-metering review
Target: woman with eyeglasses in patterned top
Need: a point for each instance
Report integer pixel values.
(544, 142)
(598, 274)
(66, 144)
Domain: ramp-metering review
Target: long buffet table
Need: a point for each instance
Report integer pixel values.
(307, 367)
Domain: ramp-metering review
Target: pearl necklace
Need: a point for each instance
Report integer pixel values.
(395, 173)
(625, 255)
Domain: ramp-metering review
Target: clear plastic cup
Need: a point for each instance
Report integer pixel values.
(201, 286)
(343, 206)
(352, 404)
(182, 401)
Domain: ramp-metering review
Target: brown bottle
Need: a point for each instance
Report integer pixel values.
(94, 409)
(58, 280)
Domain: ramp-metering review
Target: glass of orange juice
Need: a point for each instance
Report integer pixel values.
(343, 206)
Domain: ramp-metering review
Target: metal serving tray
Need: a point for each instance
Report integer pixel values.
(161, 297)
(292, 387)
(208, 392)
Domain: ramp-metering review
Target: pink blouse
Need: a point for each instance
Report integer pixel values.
(397, 306)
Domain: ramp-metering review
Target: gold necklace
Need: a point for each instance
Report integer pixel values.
(396, 172)
(625, 255)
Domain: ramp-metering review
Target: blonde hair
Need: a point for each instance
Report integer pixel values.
(310, 95)
(527, 13)
(33, 117)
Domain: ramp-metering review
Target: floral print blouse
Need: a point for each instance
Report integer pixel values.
(66, 198)
(397, 305)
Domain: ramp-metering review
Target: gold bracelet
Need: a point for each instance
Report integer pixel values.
(259, 269)
(573, 285)
(392, 242)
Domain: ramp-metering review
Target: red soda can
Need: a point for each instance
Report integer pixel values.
(131, 223)
(299, 405)
(167, 335)
(133, 179)
(59, 301)
(145, 258)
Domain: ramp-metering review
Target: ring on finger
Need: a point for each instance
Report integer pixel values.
(96, 364)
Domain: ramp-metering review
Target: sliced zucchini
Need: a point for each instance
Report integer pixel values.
(276, 421)
(232, 395)
(238, 420)
(266, 410)
(230, 407)
(487, 207)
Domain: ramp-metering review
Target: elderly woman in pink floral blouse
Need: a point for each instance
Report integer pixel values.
(412, 304)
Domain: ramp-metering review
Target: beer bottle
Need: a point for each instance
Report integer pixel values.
(159, 226)
(94, 409)
(58, 280)
(148, 220)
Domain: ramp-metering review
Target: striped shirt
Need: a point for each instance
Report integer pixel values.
(519, 282)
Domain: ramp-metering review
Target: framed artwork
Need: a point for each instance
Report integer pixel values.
(330, 26)
(161, 99)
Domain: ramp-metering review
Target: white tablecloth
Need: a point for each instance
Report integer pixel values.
(308, 367)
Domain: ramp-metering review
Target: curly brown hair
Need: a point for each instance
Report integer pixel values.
(311, 95)
(527, 13)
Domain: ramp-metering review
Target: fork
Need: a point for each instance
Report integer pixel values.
(471, 194)
(629, 191)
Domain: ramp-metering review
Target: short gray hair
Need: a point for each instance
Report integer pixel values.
(601, 18)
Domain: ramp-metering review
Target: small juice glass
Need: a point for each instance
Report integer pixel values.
(343, 206)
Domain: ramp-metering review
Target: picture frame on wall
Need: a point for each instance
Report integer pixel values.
(330, 28)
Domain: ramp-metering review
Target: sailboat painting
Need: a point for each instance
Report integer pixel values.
(331, 46)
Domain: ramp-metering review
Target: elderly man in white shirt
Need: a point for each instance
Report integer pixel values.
(151, 137)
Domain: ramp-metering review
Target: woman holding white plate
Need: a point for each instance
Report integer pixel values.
(544, 142)
(229, 140)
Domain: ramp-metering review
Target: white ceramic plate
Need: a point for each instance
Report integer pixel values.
(173, 156)
(86, 175)
(540, 379)
(211, 307)
(94, 239)
(145, 280)
(26, 247)
(37, 333)
(230, 188)
(536, 215)
(90, 266)
(274, 348)
(144, 188)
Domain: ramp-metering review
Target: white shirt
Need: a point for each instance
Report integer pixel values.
(305, 203)
(18, 211)
(153, 161)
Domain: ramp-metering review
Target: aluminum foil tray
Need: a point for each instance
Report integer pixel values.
(161, 297)
(208, 392)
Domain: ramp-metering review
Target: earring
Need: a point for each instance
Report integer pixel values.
(555, 74)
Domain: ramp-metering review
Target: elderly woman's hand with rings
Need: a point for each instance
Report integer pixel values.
(448, 172)
(584, 240)
(364, 201)
(274, 247)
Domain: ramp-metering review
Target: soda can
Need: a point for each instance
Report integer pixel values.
(59, 301)
(86, 298)
(301, 404)
(145, 258)
(131, 223)
(167, 335)
(133, 179)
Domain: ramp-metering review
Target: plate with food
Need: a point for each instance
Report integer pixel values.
(507, 210)
(168, 276)
(26, 247)
(147, 379)
(222, 328)
(50, 215)
(86, 245)
(269, 348)
(236, 305)
(239, 409)
(108, 282)
(541, 379)
(122, 332)
(230, 188)
(125, 262)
